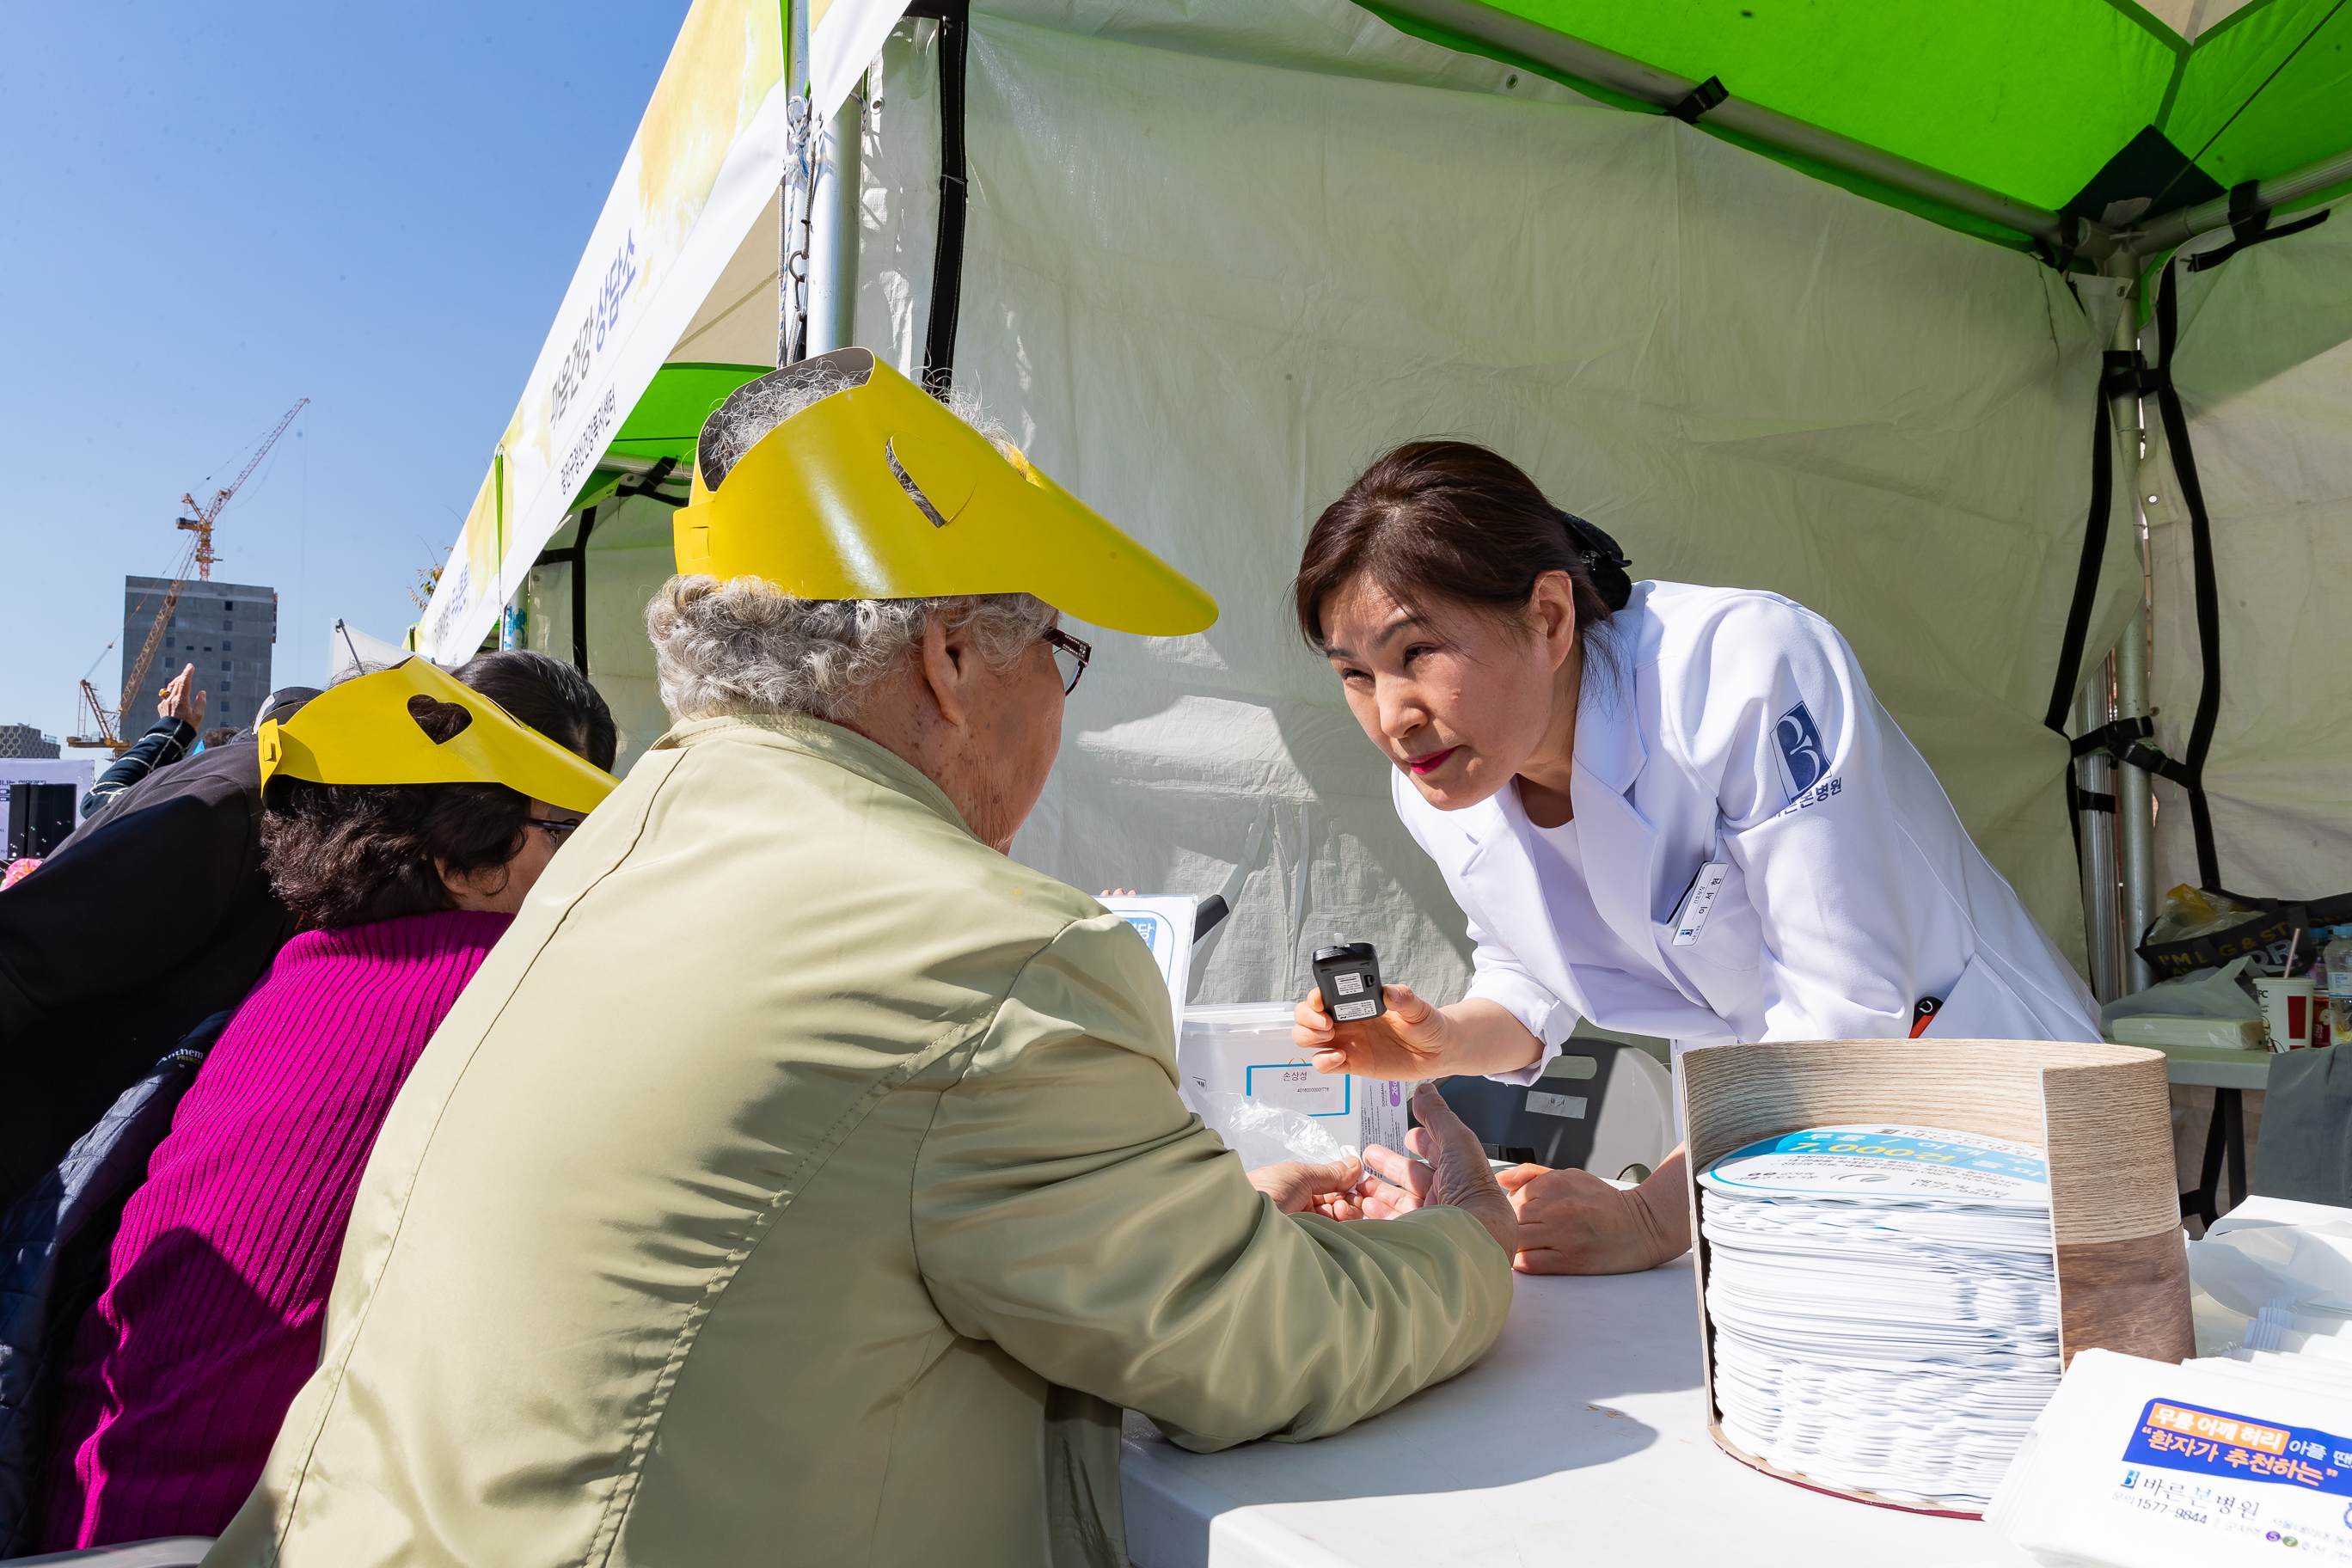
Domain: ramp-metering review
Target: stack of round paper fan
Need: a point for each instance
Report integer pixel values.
(1885, 1306)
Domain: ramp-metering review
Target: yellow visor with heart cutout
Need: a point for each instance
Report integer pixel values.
(414, 724)
(876, 491)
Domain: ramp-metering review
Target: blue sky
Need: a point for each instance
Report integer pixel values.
(211, 211)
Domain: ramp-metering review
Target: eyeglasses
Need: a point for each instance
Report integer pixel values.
(558, 828)
(1070, 656)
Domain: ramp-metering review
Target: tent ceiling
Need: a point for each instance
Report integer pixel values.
(2030, 98)
(736, 322)
(668, 417)
(670, 413)
(2192, 18)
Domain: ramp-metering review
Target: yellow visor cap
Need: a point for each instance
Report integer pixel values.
(876, 491)
(397, 727)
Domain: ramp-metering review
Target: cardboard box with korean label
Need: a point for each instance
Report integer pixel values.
(1246, 1049)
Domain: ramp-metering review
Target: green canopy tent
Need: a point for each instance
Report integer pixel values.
(2001, 120)
(1822, 299)
(2097, 134)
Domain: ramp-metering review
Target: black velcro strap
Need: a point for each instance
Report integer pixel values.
(2086, 574)
(2191, 773)
(2127, 371)
(2251, 226)
(2086, 590)
(1695, 103)
(2147, 759)
(579, 590)
(649, 486)
(2080, 800)
(954, 17)
(2112, 737)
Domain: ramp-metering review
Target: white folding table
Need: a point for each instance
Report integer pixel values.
(1580, 1439)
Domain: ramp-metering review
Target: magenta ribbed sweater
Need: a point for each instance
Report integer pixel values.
(218, 1282)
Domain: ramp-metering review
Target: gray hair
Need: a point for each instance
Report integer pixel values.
(748, 646)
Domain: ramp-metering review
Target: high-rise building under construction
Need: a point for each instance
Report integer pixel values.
(224, 629)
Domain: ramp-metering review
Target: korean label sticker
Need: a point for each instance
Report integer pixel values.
(2176, 1436)
(1294, 1085)
(1691, 919)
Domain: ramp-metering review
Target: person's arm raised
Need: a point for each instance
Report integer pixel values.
(1413, 1039)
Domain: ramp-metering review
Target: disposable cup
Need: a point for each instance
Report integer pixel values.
(2286, 1008)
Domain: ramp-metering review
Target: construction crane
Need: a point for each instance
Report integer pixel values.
(110, 728)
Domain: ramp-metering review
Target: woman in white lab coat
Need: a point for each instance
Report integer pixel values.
(1673, 810)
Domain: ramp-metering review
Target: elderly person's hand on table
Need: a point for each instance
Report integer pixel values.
(1570, 1222)
(1456, 1173)
(1567, 1222)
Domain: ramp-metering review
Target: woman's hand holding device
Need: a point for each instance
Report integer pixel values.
(1412, 1040)
(1409, 1040)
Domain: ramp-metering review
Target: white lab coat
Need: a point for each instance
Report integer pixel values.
(1734, 726)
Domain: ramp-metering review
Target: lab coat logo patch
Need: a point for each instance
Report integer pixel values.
(1801, 749)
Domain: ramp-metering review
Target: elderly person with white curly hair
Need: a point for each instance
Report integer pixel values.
(801, 1180)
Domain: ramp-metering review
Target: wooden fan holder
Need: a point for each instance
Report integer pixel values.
(2101, 1114)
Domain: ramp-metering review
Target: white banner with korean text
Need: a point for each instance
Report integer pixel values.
(705, 160)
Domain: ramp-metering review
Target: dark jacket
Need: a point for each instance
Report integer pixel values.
(54, 1246)
(166, 742)
(153, 916)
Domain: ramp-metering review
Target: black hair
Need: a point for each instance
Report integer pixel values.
(345, 855)
(1452, 521)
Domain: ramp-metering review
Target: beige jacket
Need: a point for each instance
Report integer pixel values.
(801, 1182)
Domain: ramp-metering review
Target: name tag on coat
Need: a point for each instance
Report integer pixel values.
(1699, 902)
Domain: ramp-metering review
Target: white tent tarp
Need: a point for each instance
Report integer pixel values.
(1220, 254)
(2266, 372)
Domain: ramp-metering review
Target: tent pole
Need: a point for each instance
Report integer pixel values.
(793, 211)
(2134, 802)
(2162, 234)
(2101, 922)
(833, 241)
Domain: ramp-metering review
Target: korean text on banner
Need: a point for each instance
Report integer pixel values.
(705, 161)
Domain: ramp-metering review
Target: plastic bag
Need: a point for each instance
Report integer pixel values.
(2202, 994)
(2307, 1266)
(2192, 912)
(1265, 1134)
